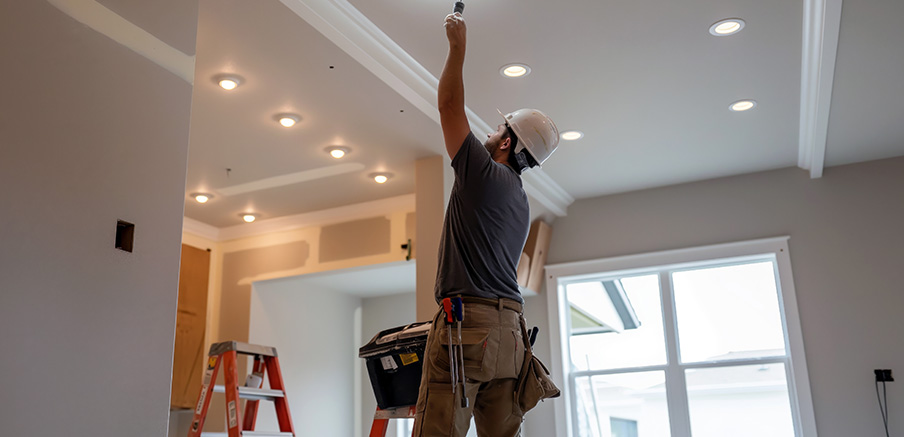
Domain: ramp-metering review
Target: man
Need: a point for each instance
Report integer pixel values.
(484, 231)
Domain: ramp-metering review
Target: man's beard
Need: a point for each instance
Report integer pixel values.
(491, 147)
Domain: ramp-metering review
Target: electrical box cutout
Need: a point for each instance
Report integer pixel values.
(125, 234)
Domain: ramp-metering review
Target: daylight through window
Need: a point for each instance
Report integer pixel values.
(696, 348)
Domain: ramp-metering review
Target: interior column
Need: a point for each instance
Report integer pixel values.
(430, 207)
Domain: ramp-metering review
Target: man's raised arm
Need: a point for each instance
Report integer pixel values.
(451, 90)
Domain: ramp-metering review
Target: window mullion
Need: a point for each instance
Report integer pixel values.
(676, 386)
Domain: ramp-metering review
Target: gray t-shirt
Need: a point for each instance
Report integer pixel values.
(485, 228)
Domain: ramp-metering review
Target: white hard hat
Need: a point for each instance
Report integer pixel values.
(536, 132)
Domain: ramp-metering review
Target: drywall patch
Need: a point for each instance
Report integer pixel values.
(355, 239)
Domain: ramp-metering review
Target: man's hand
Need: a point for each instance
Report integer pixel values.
(456, 30)
(451, 89)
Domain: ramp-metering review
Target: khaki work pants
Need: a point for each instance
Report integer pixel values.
(493, 355)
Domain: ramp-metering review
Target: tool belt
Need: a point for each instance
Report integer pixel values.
(534, 383)
(501, 303)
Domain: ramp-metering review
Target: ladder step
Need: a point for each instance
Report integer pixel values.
(250, 434)
(256, 394)
(396, 413)
(242, 348)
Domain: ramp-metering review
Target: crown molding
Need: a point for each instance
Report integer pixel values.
(298, 221)
(821, 26)
(351, 31)
(546, 191)
(200, 229)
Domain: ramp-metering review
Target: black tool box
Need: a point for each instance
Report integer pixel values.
(394, 360)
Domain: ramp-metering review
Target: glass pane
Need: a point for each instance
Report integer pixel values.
(616, 324)
(728, 313)
(622, 405)
(400, 428)
(740, 401)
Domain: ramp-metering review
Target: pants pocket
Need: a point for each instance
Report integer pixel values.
(438, 416)
(477, 346)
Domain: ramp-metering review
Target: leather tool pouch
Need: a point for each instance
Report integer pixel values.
(534, 383)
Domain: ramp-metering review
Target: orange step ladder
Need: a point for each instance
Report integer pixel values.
(265, 361)
(382, 417)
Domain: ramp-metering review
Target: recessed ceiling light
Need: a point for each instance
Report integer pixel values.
(249, 217)
(742, 105)
(202, 197)
(572, 135)
(338, 151)
(380, 178)
(728, 26)
(515, 70)
(228, 81)
(287, 120)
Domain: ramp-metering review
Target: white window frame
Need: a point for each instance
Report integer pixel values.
(560, 274)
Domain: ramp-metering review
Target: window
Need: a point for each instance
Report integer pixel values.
(701, 342)
(403, 428)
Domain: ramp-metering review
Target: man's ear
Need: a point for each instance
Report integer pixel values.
(505, 144)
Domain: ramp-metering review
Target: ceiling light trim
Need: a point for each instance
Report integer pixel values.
(345, 151)
(290, 179)
(504, 70)
(208, 197)
(382, 174)
(740, 22)
(127, 34)
(352, 32)
(295, 119)
(234, 78)
(572, 135)
(822, 23)
(740, 105)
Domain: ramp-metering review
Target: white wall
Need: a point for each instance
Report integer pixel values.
(540, 421)
(378, 314)
(847, 252)
(90, 133)
(313, 332)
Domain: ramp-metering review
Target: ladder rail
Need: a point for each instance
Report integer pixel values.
(232, 393)
(281, 404)
(251, 405)
(210, 376)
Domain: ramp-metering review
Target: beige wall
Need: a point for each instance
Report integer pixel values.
(284, 254)
(847, 254)
(237, 264)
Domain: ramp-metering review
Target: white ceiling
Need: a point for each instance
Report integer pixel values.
(286, 67)
(645, 81)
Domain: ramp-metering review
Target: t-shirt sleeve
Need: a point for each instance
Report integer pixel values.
(472, 161)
